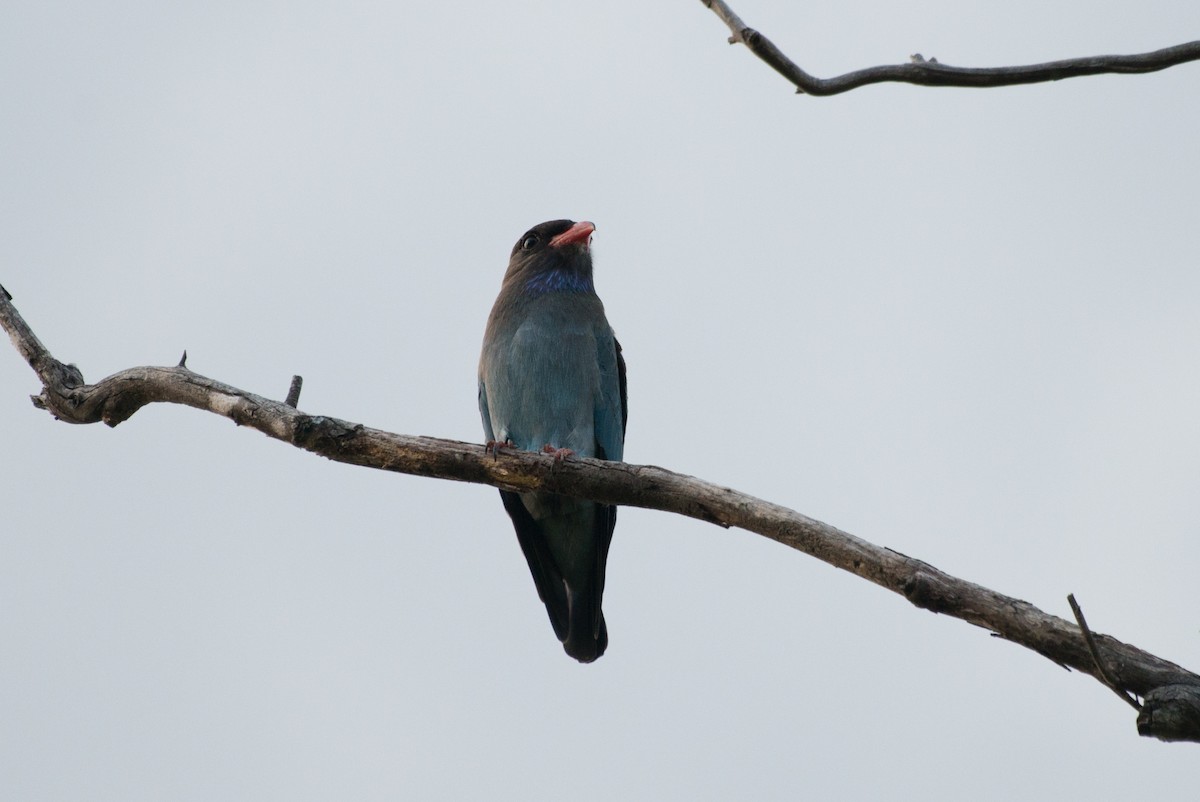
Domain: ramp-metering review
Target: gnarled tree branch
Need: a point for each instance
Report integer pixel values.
(1171, 710)
(933, 73)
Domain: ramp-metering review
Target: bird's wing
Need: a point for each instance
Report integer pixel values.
(484, 413)
(624, 393)
(611, 411)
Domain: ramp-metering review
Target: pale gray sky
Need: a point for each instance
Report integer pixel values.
(959, 323)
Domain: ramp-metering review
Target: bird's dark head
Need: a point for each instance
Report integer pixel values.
(553, 257)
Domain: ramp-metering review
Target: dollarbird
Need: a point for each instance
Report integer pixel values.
(552, 378)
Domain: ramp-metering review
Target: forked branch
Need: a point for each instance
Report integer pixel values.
(1171, 708)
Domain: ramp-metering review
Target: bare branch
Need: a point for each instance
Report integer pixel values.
(933, 73)
(1172, 709)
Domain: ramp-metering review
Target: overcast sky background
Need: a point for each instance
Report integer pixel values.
(959, 323)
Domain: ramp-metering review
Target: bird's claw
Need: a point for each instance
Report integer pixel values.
(559, 454)
(493, 447)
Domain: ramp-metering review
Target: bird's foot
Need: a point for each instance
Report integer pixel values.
(493, 447)
(559, 454)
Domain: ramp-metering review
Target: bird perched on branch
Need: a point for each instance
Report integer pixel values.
(551, 377)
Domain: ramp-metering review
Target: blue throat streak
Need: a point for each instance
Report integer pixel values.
(559, 281)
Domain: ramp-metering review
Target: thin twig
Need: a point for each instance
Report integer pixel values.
(933, 73)
(1101, 672)
(293, 396)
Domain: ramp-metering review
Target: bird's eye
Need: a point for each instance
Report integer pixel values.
(529, 242)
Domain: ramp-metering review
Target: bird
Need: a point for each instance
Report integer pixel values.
(552, 378)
